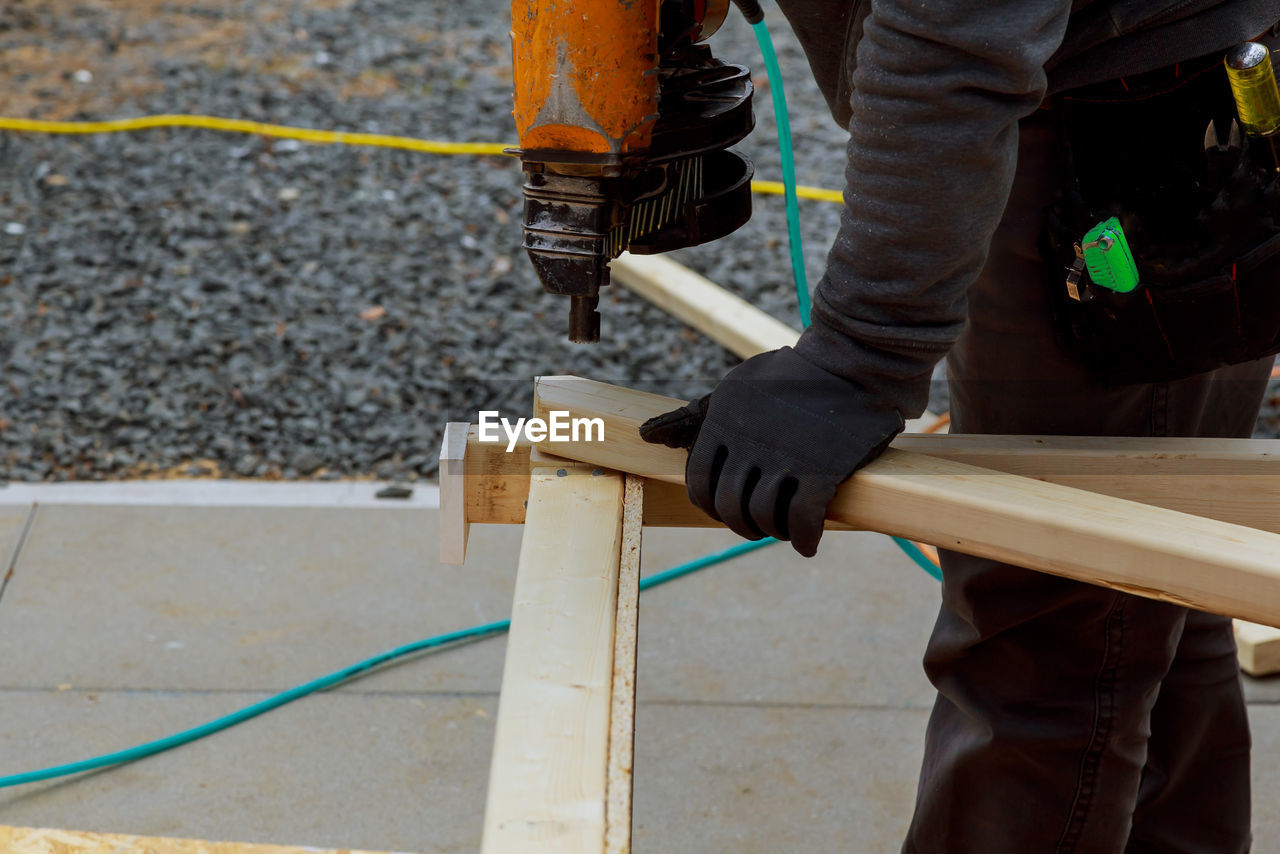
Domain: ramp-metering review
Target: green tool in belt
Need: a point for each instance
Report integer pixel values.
(1105, 252)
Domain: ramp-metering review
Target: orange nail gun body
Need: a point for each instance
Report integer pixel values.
(624, 119)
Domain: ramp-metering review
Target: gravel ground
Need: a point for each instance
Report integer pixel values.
(186, 301)
(189, 303)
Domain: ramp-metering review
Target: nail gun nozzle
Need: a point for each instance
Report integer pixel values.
(584, 320)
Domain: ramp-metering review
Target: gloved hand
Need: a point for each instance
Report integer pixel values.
(769, 446)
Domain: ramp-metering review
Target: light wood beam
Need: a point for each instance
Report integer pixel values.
(726, 318)
(43, 840)
(1141, 549)
(548, 780)
(1231, 480)
(1258, 648)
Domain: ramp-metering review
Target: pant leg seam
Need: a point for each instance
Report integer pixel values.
(1104, 716)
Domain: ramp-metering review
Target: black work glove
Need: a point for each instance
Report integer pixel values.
(769, 446)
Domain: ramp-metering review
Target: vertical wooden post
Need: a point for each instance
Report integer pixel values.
(622, 714)
(548, 780)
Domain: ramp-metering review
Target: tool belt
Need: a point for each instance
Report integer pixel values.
(1202, 221)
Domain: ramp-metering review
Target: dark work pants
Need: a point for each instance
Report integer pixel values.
(1069, 717)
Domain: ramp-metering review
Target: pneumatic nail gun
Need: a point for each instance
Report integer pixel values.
(624, 119)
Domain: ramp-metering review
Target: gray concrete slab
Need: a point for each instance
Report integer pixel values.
(1264, 690)
(847, 627)
(762, 780)
(248, 599)
(782, 706)
(409, 773)
(13, 519)
(398, 773)
(161, 618)
(218, 493)
(243, 599)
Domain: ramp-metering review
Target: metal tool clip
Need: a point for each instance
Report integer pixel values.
(1074, 272)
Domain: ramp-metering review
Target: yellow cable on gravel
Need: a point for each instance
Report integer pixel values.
(775, 188)
(326, 137)
(323, 137)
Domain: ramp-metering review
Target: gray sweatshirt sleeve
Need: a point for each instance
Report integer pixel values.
(938, 90)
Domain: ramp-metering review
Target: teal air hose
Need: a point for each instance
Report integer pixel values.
(794, 238)
(921, 560)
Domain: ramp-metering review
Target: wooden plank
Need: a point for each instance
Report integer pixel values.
(731, 321)
(1149, 551)
(496, 488)
(721, 315)
(1258, 648)
(34, 840)
(1231, 480)
(454, 526)
(497, 485)
(547, 783)
(622, 712)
